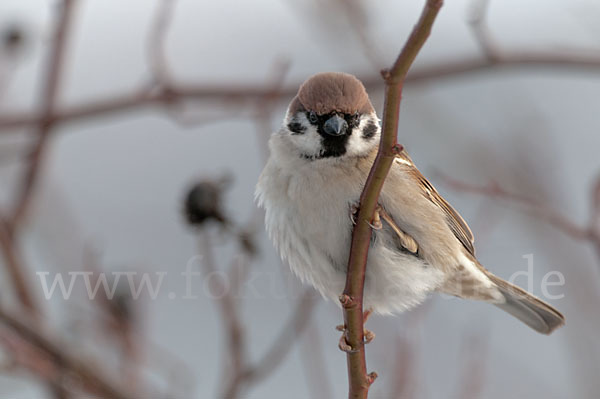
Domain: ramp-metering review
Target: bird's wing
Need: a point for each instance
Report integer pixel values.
(456, 223)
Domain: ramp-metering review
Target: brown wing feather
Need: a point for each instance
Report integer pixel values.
(456, 223)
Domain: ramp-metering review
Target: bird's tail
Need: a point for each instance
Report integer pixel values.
(532, 311)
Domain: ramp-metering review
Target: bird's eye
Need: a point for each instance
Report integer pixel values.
(355, 120)
(312, 117)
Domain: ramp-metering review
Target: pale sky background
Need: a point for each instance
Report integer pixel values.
(117, 183)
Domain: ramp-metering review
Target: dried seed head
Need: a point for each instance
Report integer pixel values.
(204, 202)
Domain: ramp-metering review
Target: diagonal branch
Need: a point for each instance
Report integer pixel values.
(47, 107)
(8, 244)
(352, 297)
(89, 375)
(15, 269)
(555, 219)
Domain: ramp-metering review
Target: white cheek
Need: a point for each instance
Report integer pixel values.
(357, 144)
(309, 142)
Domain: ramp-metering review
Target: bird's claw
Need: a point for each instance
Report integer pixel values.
(367, 334)
(353, 213)
(376, 224)
(343, 344)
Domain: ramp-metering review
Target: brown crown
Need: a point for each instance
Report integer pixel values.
(329, 92)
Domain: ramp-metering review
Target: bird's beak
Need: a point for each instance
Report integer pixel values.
(335, 126)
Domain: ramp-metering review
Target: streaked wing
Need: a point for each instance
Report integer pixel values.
(456, 223)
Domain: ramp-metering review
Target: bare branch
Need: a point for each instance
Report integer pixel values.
(352, 298)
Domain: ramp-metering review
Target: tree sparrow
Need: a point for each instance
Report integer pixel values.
(319, 162)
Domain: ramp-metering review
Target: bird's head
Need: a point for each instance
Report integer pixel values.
(331, 117)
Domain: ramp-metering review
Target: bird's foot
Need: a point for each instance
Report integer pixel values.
(367, 334)
(353, 212)
(343, 344)
(406, 240)
(376, 224)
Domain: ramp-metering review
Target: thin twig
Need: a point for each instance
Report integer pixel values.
(157, 39)
(481, 32)
(355, 11)
(352, 297)
(231, 322)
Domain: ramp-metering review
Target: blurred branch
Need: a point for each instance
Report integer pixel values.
(9, 224)
(24, 192)
(16, 269)
(157, 39)
(493, 190)
(356, 13)
(49, 93)
(282, 345)
(248, 94)
(589, 233)
(352, 297)
(481, 32)
(405, 379)
(117, 319)
(90, 375)
(241, 372)
(232, 323)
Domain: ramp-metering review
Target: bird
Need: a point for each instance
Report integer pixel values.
(319, 161)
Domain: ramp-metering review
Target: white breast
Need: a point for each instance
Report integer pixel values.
(307, 217)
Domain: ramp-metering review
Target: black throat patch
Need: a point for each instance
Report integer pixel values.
(335, 146)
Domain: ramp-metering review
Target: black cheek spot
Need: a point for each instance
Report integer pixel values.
(296, 128)
(369, 130)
